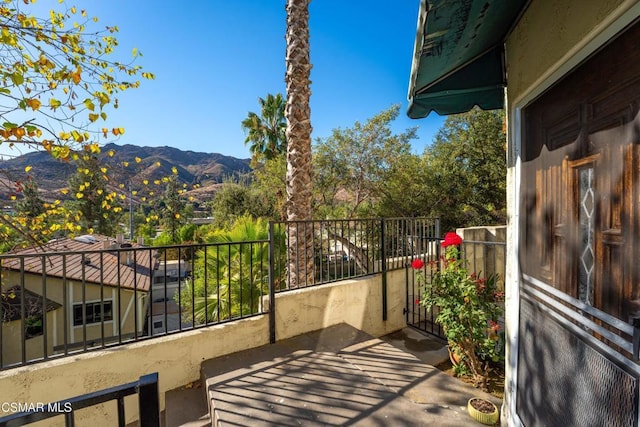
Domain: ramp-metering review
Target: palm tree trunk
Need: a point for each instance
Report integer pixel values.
(298, 113)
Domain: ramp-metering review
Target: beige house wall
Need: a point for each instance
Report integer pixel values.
(177, 357)
(549, 34)
(11, 334)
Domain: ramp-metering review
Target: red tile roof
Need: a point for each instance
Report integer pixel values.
(93, 258)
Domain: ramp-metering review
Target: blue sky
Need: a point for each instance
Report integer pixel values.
(214, 58)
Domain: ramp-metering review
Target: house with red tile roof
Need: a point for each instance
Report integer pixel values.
(73, 293)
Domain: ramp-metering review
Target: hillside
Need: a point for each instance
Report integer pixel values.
(205, 169)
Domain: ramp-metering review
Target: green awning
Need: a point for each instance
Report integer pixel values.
(458, 57)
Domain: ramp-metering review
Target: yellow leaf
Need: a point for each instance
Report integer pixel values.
(111, 153)
(174, 170)
(54, 103)
(27, 169)
(34, 104)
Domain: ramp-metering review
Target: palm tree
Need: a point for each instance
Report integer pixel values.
(232, 275)
(266, 132)
(298, 115)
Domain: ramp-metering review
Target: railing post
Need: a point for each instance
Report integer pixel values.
(383, 253)
(148, 400)
(272, 290)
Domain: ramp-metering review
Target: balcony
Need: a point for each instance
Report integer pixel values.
(97, 318)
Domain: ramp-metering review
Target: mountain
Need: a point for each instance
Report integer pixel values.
(205, 169)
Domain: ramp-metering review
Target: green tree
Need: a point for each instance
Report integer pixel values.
(402, 189)
(269, 180)
(172, 217)
(353, 166)
(230, 278)
(266, 132)
(31, 205)
(234, 200)
(298, 115)
(467, 170)
(98, 209)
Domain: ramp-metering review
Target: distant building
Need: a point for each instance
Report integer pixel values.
(92, 288)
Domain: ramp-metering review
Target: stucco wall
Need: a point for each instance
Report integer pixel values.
(11, 336)
(177, 358)
(356, 302)
(550, 32)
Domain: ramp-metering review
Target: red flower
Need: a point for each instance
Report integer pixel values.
(494, 326)
(451, 239)
(417, 301)
(417, 264)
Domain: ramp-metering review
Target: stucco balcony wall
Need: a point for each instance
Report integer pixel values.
(177, 358)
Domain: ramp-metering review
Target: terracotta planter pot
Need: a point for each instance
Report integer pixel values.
(455, 358)
(483, 411)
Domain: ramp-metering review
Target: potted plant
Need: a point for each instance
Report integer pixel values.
(468, 310)
(483, 411)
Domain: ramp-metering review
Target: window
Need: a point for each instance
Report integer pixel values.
(586, 210)
(94, 312)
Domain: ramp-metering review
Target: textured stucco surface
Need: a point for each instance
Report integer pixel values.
(551, 31)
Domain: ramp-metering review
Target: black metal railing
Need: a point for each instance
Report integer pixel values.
(57, 300)
(148, 405)
(64, 302)
(342, 249)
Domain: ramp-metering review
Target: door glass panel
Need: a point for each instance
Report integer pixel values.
(586, 217)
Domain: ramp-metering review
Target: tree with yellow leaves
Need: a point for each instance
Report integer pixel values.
(59, 77)
(98, 207)
(57, 71)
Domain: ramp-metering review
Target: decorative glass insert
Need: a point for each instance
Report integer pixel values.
(586, 218)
